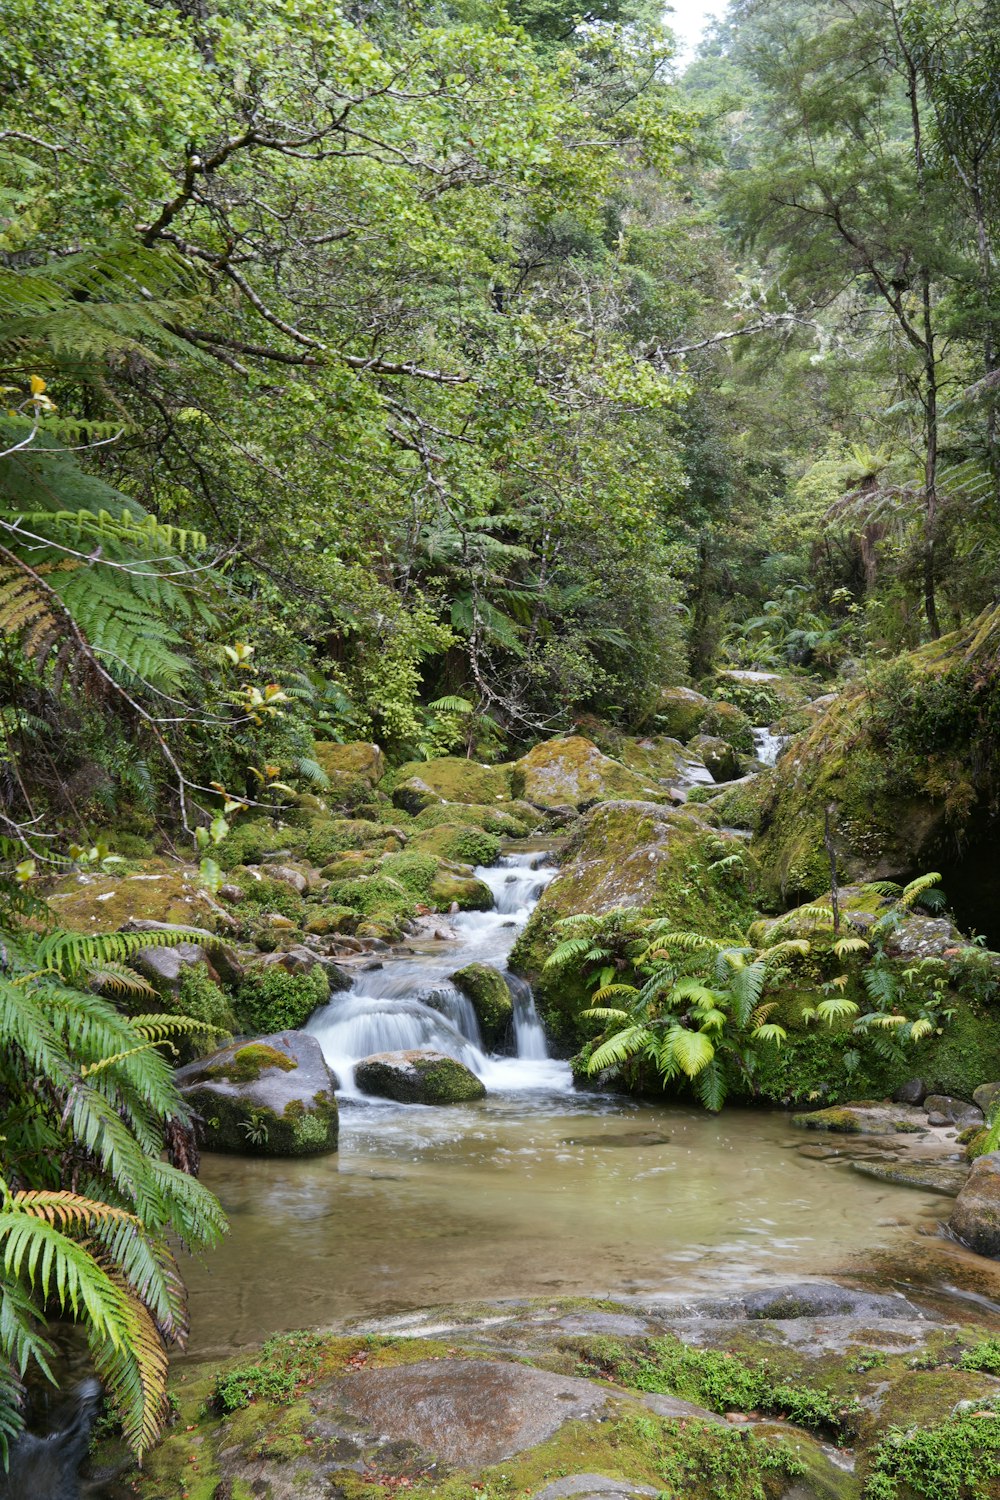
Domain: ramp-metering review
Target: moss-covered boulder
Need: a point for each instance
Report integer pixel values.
(572, 772)
(448, 778)
(678, 711)
(353, 761)
(663, 860)
(162, 891)
(909, 762)
(738, 804)
(865, 1117)
(489, 994)
(655, 757)
(718, 756)
(418, 1077)
(724, 721)
(454, 886)
(270, 1097)
(509, 819)
(458, 842)
(270, 998)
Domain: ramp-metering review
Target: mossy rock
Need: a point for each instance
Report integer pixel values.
(271, 1097)
(641, 854)
(741, 803)
(162, 891)
(657, 757)
(458, 841)
(449, 778)
(725, 722)
(489, 994)
(452, 887)
(271, 999)
(369, 895)
(418, 1077)
(719, 758)
(509, 819)
(351, 863)
(678, 712)
(355, 760)
(572, 772)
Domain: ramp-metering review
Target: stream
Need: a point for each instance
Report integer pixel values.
(539, 1190)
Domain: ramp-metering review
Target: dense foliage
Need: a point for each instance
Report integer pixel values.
(445, 376)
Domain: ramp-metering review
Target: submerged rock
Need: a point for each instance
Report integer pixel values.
(975, 1219)
(270, 1097)
(867, 1117)
(930, 1176)
(418, 1077)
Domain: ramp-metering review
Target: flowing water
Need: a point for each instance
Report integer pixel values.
(537, 1190)
(767, 746)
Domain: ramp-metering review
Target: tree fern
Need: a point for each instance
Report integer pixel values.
(83, 1085)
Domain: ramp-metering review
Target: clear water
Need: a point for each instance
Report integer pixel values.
(530, 1193)
(767, 746)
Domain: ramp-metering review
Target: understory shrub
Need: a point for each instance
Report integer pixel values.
(270, 999)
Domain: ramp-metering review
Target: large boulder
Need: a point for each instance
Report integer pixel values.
(720, 759)
(162, 892)
(679, 711)
(270, 1097)
(418, 1077)
(725, 721)
(572, 772)
(488, 992)
(350, 763)
(448, 778)
(975, 1219)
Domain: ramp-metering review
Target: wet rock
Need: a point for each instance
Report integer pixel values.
(913, 1091)
(594, 1487)
(809, 1299)
(866, 1117)
(490, 997)
(931, 1176)
(942, 1109)
(573, 772)
(270, 1097)
(722, 761)
(470, 1412)
(420, 1076)
(975, 1219)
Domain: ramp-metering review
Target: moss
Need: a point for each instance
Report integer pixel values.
(679, 712)
(510, 819)
(664, 861)
(726, 722)
(270, 999)
(453, 887)
(487, 989)
(200, 997)
(373, 895)
(248, 1063)
(572, 772)
(738, 806)
(448, 778)
(162, 891)
(457, 841)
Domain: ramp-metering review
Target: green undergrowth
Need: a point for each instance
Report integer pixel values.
(270, 999)
(957, 1459)
(720, 1381)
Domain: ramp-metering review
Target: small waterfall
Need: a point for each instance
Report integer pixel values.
(528, 1029)
(767, 746)
(408, 1003)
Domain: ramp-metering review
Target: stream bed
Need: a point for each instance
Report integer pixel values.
(539, 1190)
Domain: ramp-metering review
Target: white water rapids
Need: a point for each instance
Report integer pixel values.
(409, 1002)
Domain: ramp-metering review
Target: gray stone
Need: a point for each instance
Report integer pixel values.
(975, 1219)
(594, 1487)
(986, 1096)
(942, 1109)
(469, 1412)
(913, 1091)
(812, 1299)
(223, 959)
(420, 1076)
(254, 1104)
(164, 967)
(289, 875)
(930, 1176)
